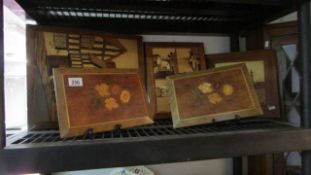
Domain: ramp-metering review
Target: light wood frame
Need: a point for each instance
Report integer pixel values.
(253, 110)
(67, 130)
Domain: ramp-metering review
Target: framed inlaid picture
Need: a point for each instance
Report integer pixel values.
(262, 66)
(165, 59)
(51, 47)
(99, 99)
(213, 95)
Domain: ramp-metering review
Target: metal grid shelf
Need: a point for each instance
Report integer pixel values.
(195, 16)
(161, 128)
(151, 144)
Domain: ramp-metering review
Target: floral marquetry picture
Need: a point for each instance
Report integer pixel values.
(214, 95)
(99, 99)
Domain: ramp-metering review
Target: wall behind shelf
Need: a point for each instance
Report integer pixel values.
(287, 18)
(212, 44)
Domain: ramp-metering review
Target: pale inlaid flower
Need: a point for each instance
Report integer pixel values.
(103, 90)
(214, 98)
(111, 103)
(125, 96)
(227, 89)
(206, 88)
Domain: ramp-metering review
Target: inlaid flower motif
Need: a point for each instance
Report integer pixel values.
(103, 90)
(206, 88)
(125, 96)
(214, 98)
(115, 89)
(111, 96)
(111, 103)
(227, 89)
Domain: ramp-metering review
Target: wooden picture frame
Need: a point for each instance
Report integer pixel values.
(214, 95)
(51, 47)
(263, 65)
(164, 59)
(99, 100)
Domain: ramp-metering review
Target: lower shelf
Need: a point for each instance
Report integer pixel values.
(45, 151)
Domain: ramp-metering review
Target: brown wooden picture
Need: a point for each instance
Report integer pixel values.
(165, 59)
(99, 99)
(262, 65)
(214, 95)
(54, 47)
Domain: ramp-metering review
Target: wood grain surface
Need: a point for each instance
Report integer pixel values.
(102, 100)
(227, 92)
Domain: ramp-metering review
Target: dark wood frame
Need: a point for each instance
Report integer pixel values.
(271, 35)
(149, 68)
(44, 119)
(282, 33)
(251, 111)
(66, 130)
(271, 78)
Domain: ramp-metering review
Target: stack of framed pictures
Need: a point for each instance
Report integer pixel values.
(59, 47)
(166, 59)
(99, 81)
(262, 66)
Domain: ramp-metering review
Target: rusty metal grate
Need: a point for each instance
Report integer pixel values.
(162, 128)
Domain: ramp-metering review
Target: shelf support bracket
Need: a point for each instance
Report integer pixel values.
(305, 70)
(2, 113)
